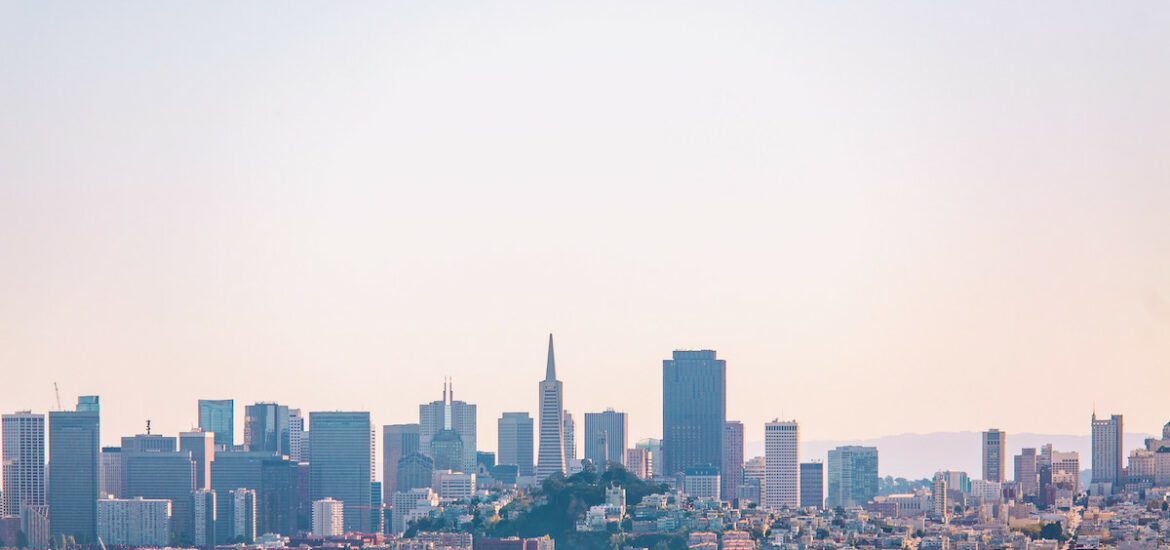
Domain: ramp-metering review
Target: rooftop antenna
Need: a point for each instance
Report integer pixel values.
(57, 392)
(148, 426)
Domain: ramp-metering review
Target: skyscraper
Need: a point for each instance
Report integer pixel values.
(551, 454)
(782, 461)
(994, 456)
(457, 416)
(201, 445)
(570, 433)
(298, 437)
(23, 452)
(812, 484)
(110, 472)
(1108, 449)
(515, 433)
(853, 476)
(605, 437)
(281, 487)
(74, 450)
(1024, 472)
(732, 460)
(203, 518)
(219, 416)
(164, 475)
(341, 463)
(653, 446)
(694, 409)
(266, 428)
(398, 440)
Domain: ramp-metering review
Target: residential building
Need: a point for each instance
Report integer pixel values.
(328, 518)
(203, 518)
(134, 522)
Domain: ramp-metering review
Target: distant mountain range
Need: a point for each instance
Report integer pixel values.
(916, 456)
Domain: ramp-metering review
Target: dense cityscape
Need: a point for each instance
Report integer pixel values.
(311, 481)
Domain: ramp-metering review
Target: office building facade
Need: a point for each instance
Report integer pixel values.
(606, 437)
(218, 416)
(812, 484)
(515, 438)
(23, 453)
(732, 459)
(550, 458)
(782, 463)
(694, 410)
(994, 455)
(852, 477)
(74, 458)
(341, 463)
(398, 441)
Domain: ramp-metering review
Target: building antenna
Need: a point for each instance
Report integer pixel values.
(147, 426)
(57, 392)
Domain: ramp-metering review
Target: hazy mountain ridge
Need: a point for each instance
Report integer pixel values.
(915, 456)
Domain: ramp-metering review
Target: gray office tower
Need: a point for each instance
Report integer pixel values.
(166, 475)
(812, 484)
(398, 440)
(515, 432)
(550, 454)
(732, 460)
(266, 428)
(219, 416)
(694, 410)
(853, 476)
(415, 471)
(605, 438)
(23, 462)
(282, 491)
(74, 453)
(457, 417)
(341, 463)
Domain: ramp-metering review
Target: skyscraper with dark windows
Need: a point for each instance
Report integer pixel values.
(219, 416)
(812, 484)
(459, 418)
(168, 475)
(282, 499)
(23, 453)
(266, 428)
(415, 471)
(694, 410)
(732, 460)
(550, 457)
(605, 437)
(853, 476)
(514, 431)
(74, 454)
(341, 463)
(398, 440)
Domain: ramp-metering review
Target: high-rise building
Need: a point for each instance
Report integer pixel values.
(455, 421)
(994, 456)
(164, 475)
(1108, 449)
(694, 409)
(219, 417)
(654, 447)
(398, 440)
(754, 472)
(241, 515)
(570, 432)
(812, 484)
(203, 518)
(411, 505)
(639, 463)
(341, 463)
(938, 495)
(134, 522)
(605, 438)
(23, 453)
(201, 445)
(1025, 471)
(550, 458)
(782, 460)
(298, 437)
(328, 518)
(732, 460)
(281, 487)
(702, 482)
(266, 428)
(74, 451)
(110, 473)
(415, 471)
(515, 435)
(853, 476)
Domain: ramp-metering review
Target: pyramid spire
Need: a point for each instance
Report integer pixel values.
(550, 372)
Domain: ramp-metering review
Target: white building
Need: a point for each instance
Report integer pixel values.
(134, 522)
(203, 511)
(24, 462)
(986, 490)
(702, 482)
(453, 485)
(328, 518)
(411, 505)
(782, 464)
(298, 437)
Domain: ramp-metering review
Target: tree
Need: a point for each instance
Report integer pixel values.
(1052, 531)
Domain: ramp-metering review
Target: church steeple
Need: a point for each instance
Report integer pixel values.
(550, 372)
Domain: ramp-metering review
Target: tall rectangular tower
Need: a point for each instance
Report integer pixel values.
(340, 463)
(266, 428)
(515, 432)
(782, 463)
(23, 461)
(398, 440)
(1108, 449)
(732, 460)
(812, 484)
(218, 416)
(550, 457)
(74, 451)
(433, 417)
(694, 409)
(605, 438)
(994, 456)
(853, 476)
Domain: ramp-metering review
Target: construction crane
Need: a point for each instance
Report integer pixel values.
(57, 392)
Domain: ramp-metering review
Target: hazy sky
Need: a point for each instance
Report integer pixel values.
(886, 216)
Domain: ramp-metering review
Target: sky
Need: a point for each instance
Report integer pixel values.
(888, 217)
